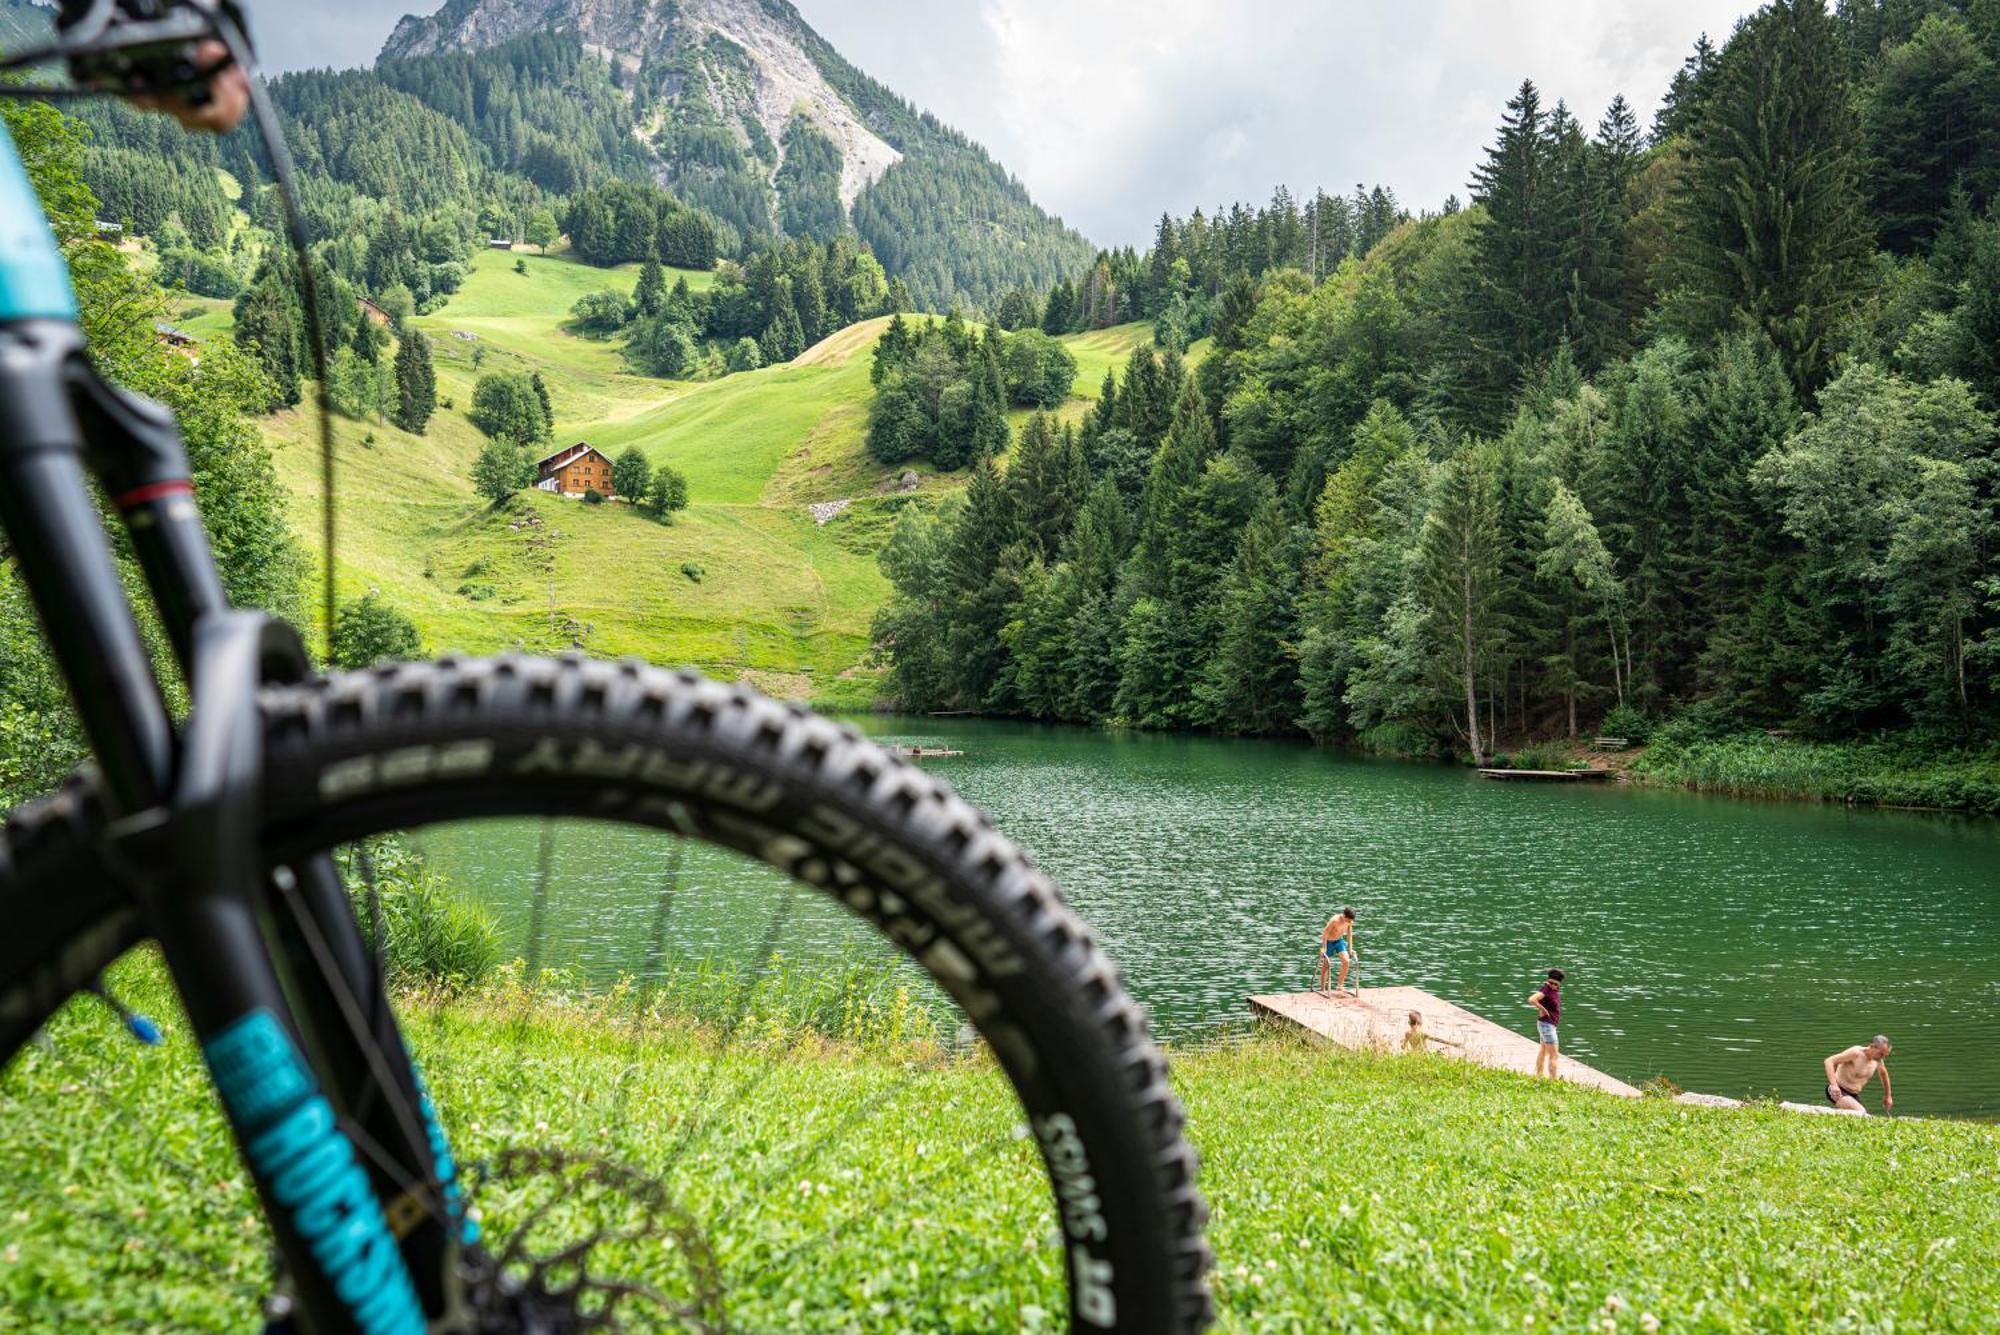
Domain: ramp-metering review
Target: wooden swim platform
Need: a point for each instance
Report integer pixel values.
(1378, 1019)
(924, 752)
(1547, 775)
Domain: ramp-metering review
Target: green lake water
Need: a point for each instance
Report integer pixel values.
(1728, 945)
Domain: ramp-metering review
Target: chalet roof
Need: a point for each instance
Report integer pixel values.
(568, 454)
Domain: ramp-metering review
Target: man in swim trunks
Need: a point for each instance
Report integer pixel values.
(1337, 941)
(1849, 1071)
(1548, 1003)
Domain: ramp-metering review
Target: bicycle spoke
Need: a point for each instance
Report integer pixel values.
(772, 932)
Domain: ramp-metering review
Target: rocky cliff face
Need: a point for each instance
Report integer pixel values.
(750, 61)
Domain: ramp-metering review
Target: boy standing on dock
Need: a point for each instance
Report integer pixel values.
(1547, 1001)
(1336, 939)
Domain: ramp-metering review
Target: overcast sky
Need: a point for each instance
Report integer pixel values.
(1111, 110)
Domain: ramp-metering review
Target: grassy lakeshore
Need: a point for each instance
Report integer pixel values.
(1880, 773)
(1349, 1192)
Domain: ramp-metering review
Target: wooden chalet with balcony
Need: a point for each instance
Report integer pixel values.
(575, 469)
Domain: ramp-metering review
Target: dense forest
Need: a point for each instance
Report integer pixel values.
(1179, 282)
(1694, 423)
(768, 311)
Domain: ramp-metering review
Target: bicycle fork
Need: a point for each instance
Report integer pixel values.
(190, 801)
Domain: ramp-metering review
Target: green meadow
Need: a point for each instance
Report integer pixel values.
(744, 584)
(1349, 1192)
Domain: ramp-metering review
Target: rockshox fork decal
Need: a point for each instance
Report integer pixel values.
(289, 1135)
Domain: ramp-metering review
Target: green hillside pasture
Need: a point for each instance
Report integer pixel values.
(780, 600)
(730, 436)
(517, 319)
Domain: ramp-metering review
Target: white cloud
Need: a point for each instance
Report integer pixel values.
(1111, 110)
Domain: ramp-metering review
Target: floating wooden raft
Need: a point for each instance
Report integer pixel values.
(1547, 775)
(1380, 1017)
(924, 752)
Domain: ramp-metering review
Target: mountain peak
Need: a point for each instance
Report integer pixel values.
(749, 61)
(749, 114)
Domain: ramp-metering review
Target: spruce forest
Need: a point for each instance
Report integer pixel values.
(1691, 422)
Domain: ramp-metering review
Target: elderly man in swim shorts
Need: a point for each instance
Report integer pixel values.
(1336, 941)
(1849, 1071)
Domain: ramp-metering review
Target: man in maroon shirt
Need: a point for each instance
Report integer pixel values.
(1547, 1001)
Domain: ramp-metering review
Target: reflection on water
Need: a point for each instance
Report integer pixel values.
(1728, 945)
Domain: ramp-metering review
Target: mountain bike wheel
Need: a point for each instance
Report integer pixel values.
(944, 1074)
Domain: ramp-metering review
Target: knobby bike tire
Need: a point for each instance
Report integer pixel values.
(401, 746)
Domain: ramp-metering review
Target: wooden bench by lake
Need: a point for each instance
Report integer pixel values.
(1613, 743)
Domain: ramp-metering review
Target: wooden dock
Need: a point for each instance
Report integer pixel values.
(1381, 1016)
(923, 752)
(1378, 1019)
(1547, 775)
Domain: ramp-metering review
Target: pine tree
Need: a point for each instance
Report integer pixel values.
(1522, 300)
(1574, 562)
(1769, 213)
(1049, 483)
(1642, 488)
(1060, 311)
(1460, 563)
(367, 342)
(416, 383)
(1687, 96)
(1251, 682)
(1932, 121)
(541, 388)
(984, 581)
(1745, 411)
(650, 296)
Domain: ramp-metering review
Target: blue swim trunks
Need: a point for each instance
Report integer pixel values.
(1546, 1031)
(1336, 947)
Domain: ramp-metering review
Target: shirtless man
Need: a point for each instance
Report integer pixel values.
(1849, 1071)
(1337, 939)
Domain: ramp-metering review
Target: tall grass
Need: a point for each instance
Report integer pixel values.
(1886, 772)
(433, 935)
(858, 1000)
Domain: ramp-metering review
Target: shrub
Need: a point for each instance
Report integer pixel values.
(367, 631)
(501, 469)
(744, 355)
(667, 493)
(1542, 755)
(600, 314)
(506, 404)
(592, 496)
(432, 935)
(1627, 722)
(693, 570)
